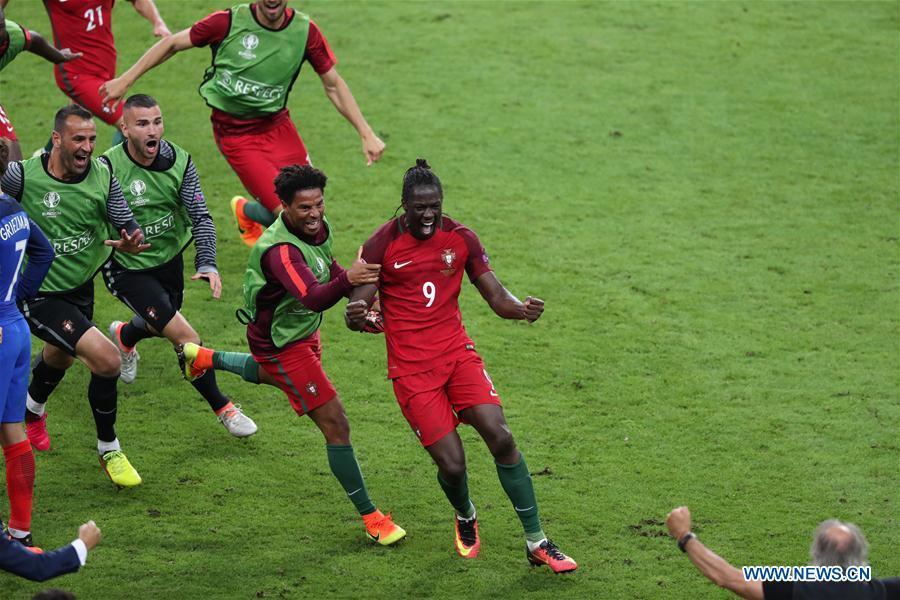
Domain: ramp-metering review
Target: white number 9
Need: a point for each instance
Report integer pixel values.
(429, 290)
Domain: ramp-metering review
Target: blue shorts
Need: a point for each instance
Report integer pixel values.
(15, 359)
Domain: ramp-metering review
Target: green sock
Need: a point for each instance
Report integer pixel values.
(239, 363)
(458, 495)
(117, 138)
(342, 461)
(516, 482)
(259, 213)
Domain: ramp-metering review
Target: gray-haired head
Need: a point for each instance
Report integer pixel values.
(836, 543)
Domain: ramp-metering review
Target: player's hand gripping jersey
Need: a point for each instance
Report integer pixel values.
(419, 292)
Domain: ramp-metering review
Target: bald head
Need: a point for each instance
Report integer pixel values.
(836, 543)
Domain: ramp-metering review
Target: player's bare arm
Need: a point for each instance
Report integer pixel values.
(147, 9)
(114, 90)
(43, 49)
(717, 569)
(340, 95)
(504, 304)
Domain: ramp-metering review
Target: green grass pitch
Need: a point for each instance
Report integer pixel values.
(704, 193)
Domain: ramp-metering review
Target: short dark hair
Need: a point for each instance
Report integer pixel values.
(420, 174)
(140, 101)
(295, 178)
(72, 110)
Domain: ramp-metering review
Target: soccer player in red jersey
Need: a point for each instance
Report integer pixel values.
(85, 26)
(15, 39)
(257, 52)
(291, 279)
(439, 379)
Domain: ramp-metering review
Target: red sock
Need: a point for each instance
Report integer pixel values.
(228, 406)
(19, 483)
(204, 359)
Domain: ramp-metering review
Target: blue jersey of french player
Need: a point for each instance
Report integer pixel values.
(19, 236)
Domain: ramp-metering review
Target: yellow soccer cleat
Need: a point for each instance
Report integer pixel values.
(249, 229)
(119, 469)
(381, 528)
(187, 356)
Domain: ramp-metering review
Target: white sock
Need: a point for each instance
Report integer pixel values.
(532, 546)
(33, 406)
(17, 533)
(104, 447)
(472, 518)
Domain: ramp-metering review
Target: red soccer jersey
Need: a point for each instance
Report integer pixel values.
(212, 29)
(84, 26)
(419, 291)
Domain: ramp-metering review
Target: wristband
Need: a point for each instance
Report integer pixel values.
(682, 543)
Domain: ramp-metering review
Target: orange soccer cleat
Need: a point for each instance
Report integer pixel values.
(381, 528)
(548, 554)
(249, 229)
(467, 541)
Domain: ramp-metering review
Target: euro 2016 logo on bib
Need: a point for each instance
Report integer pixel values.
(138, 187)
(249, 42)
(51, 200)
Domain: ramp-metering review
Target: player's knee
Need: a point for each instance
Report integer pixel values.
(452, 469)
(107, 364)
(339, 429)
(502, 443)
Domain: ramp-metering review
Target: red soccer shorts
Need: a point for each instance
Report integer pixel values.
(257, 157)
(432, 400)
(298, 372)
(85, 90)
(6, 128)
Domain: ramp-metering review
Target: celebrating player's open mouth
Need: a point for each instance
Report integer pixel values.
(311, 226)
(80, 160)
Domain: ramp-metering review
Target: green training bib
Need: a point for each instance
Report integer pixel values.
(73, 217)
(292, 321)
(155, 201)
(254, 68)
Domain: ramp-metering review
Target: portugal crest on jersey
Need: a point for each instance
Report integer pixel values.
(448, 258)
(312, 388)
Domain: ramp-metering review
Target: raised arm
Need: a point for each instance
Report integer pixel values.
(340, 95)
(147, 9)
(504, 304)
(714, 567)
(114, 90)
(42, 48)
